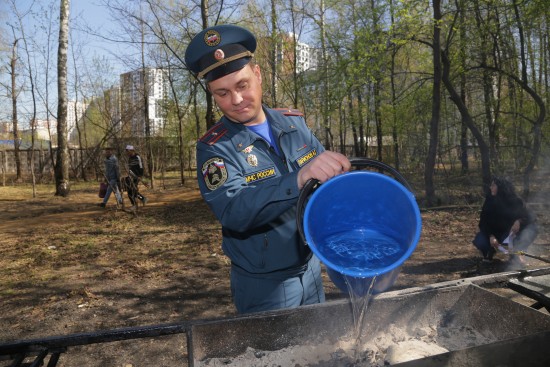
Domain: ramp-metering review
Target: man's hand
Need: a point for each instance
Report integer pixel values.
(326, 165)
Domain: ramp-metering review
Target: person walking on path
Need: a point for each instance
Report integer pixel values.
(112, 176)
(135, 170)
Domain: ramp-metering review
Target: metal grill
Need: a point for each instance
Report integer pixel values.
(523, 331)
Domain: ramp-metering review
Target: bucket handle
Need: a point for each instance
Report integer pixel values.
(312, 185)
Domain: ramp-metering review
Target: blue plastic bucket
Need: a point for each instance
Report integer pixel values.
(362, 225)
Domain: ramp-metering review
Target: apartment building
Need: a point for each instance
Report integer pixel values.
(143, 94)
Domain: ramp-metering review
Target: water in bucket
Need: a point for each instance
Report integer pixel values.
(362, 225)
(362, 250)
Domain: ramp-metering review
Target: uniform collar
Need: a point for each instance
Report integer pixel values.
(243, 137)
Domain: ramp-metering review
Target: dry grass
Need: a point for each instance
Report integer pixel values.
(68, 266)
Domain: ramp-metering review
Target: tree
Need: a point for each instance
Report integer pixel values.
(465, 114)
(524, 84)
(210, 117)
(273, 52)
(436, 106)
(62, 160)
(33, 118)
(14, 93)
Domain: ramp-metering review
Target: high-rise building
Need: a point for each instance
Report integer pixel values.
(280, 60)
(290, 54)
(143, 96)
(290, 50)
(113, 106)
(307, 57)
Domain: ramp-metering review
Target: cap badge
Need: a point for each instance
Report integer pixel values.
(219, 54)
(212, 38)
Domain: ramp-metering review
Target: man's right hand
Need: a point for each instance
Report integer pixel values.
(323, 167)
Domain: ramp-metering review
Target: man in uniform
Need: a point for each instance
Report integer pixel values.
(251, 166)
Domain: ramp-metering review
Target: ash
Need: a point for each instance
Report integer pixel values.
(394, 345)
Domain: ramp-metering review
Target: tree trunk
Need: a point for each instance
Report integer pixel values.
(378, 120)
(273, 53)
(325, 108)
(490, 115)
(395, 142)
(180, 116)
(467, 119)
(14, 120)
(148, 77)
(464, 164)
(210, 118)
(62, 162)
(294, 64)
(537, 126)
(436, 108)
(363, 140)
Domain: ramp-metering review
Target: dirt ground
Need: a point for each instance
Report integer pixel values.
(69, 266)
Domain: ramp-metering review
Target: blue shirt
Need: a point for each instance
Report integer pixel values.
(265, 132)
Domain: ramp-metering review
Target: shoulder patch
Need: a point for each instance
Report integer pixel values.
(214, 173)
(214, 134)
(289, 111)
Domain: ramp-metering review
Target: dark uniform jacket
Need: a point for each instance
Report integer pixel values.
(253, 191)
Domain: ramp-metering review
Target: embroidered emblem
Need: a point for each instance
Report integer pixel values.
(214, 173)
(260, 175)
(212, 38)
(252, 160)
(306, 157)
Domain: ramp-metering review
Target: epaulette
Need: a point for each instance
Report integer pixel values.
(214, 134)
(289, 111)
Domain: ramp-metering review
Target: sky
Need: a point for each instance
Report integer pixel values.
(82, 13)
(95, 15)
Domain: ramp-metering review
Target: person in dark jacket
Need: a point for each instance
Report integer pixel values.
(505, 223)
(135, 169)
(112, 177)
(251, 166)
